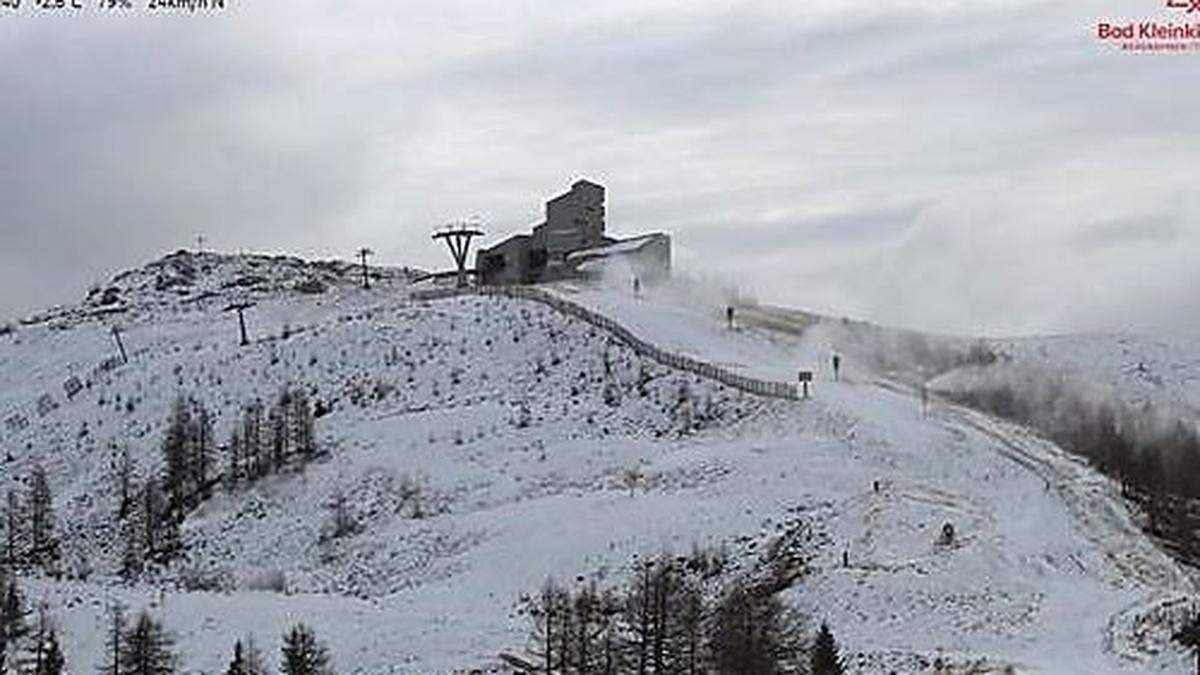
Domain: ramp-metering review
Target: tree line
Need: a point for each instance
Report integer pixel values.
(142, 646)
(25, 647)
(30, 526)
(676, 616)
(266, 440)
(1156, 461)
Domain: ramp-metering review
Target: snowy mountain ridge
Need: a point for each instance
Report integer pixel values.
(484, 444)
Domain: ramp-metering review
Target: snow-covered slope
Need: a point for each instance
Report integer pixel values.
(540, 446)
(1163, 372)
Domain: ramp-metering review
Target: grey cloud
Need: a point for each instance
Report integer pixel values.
(1156, 229)
(926, 163)
(133, 141)
(801, 235)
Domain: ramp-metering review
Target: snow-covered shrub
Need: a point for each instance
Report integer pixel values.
(272, 581)
(343, 522)
(312, 286)
(207, 580)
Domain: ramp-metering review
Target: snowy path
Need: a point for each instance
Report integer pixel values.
(1147, 583)
(1096, 505)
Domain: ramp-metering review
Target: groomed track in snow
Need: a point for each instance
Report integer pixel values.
(1134, 634)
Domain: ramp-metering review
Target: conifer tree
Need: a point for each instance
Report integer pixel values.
(1189, 636)
(146, 649)
(302, 427)
(150, 533)
(13, 627)
(586, 608)
(237, 665)
(53, 663)
(753, 634)
(547, 614)
(342, 522)
(280, 424)
(43, 656)
(160, 528)
(4, 636)
(14, 612)
(114, 633)
(255, 663)
(123, 476)
(690, 618)
(4, 642)
(825, 659)
(252, 447)
(611, 638)
(639, 617)
(235, 471)
(303, 654)
(175, 456)
(133, 557)
(14, 531)
(187, 455)
(201, 459)
(44, 545)
(247, 659)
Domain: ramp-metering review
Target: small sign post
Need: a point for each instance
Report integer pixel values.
(805, 377)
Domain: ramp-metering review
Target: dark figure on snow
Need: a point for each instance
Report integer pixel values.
(729, 316)
(837, 364)
(637, 287)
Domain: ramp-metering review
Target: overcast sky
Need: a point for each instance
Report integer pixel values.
(970, 167)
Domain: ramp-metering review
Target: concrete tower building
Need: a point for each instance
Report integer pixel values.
(574, 224)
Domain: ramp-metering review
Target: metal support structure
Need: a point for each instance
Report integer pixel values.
(362, 254)
(116, 332)
(458, 238)
(240, 308)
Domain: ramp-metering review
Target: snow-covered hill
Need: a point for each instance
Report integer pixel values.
(485, 444)
(1162, 371)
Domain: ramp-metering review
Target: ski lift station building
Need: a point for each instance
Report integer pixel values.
(571, 243)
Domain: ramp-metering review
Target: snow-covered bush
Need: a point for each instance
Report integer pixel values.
(271, 580)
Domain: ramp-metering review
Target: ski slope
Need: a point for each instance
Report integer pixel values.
(541, 447)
